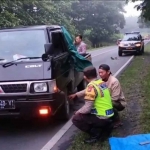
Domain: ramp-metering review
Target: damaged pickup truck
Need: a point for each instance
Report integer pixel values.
(38, 68)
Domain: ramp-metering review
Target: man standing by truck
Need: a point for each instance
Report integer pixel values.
(80, 45)
(97, 110)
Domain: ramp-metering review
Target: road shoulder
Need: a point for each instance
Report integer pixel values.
(69, 135)
(135, 81)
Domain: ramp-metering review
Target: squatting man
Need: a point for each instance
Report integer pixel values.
(95, 117)
(117, 95)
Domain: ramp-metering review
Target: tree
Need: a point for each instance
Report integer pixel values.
(96, 20)
(100, 19)
(145, 12)
(34, 12)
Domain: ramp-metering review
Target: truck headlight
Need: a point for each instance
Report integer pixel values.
(40, 87)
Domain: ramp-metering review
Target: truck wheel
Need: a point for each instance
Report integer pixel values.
(143, 49)
(82, 85)
(64, 112)
(141, 52)
(119, 52)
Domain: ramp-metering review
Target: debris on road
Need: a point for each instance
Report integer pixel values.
(114, 58)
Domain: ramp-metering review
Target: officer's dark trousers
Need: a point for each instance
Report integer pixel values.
(86, 122)
(117, 107)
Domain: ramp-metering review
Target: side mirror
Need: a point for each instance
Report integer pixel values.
(48, 48)
(45, 57)
(142, 39)
(48, 51)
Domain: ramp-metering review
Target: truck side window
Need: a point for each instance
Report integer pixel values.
(57, 40)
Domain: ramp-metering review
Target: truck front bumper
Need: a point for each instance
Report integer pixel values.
(30, 106)
(129, 50)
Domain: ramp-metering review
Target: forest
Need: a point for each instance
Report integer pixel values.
(98, 21)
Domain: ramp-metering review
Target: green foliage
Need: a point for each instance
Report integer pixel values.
(34, 12)
(98, 21)
(144, 7)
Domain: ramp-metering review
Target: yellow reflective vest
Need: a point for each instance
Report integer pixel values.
(103, 103)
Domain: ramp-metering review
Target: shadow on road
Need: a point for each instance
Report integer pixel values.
(129, 54)
(26, 125)
(9, 125)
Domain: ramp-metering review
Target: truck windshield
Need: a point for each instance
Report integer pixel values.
(131, 37)
(18, 44)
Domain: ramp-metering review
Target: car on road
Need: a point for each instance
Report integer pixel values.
(37, 72)
(131, 43)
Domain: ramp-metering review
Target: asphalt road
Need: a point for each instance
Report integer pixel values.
(27, 135)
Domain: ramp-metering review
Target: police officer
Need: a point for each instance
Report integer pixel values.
(97, 110)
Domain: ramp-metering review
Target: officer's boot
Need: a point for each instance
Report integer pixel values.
(94, 136)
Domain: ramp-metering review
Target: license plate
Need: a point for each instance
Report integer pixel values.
(7, 104)
(129, 47)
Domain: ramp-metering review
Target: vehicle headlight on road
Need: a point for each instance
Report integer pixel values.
(40, 87)
(137, 44)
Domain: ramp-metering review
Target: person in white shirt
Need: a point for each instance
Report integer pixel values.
(80, 45)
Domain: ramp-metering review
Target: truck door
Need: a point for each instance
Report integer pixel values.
(61, 66)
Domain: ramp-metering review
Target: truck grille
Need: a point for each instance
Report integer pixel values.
(131, 44)
(14, 88)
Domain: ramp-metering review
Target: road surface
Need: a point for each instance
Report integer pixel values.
(27, 135)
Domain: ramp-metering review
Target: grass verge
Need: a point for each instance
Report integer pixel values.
(135, 81)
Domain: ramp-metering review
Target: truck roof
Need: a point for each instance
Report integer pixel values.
(135, 32)
(37, 27)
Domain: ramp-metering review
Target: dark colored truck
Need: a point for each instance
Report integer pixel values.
(36, 72)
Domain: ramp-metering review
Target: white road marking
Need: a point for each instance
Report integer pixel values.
(103, 53)
(124, 66)
(50, 144)
(57, 136)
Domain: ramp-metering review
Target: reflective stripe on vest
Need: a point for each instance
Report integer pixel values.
(103, 104)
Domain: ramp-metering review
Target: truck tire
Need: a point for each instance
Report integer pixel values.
(82, 85)
(119, 52)
(143, 50)
(140, 52)
(64, 112)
